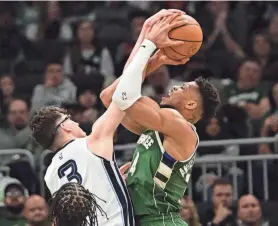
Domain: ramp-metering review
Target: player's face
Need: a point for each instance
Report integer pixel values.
(72, 127)
(180, 94)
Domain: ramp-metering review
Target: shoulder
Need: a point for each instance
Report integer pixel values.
(68, 83)
(148, 101)
(66, 32)
(33, 27)
(38, 88)
(178, 124)
(105, 52)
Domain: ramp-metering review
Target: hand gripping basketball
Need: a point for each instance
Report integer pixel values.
(159, 32)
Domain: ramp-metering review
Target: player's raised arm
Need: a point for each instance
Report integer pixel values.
(129, 90)
(154, 63)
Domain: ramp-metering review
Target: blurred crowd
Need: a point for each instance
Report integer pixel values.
(65, 53)
(20, 209)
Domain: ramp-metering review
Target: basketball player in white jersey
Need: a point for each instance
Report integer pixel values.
(89, 160)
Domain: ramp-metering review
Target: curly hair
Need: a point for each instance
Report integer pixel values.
(74, 205)
(210, 97)
(43, 124)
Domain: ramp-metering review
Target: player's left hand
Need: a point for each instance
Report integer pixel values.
(163, 59)
(159, 32)
(124, 169)
(161, 14)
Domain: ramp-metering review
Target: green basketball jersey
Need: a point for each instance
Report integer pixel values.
(156, 182)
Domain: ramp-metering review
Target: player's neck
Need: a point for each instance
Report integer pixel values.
(63, 141)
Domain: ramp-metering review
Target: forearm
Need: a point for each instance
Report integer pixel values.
(211, 39)
(139, 41)
(231, 45)
(106, 94)
(129, 88)
(264, 131)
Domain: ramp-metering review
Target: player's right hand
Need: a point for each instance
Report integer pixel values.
(124, 169)
(159, 32)
(163, 59)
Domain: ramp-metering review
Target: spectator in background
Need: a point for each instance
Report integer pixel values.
(270, 125)
(269, 128)
(214, 129)
(14, 198)
(249, 92)
(50, 25)
(12, 44)
(55, 90)
(221, 211)
(7, 88)
(17, 119)
(87, 98)
(159, 83)
(28, 12)
(189, 212)
(87, 55)
(36, 211)
(225, 34)
(273, 34)
(261, 52)
(75, 11)
(137, 18)
(249, 212)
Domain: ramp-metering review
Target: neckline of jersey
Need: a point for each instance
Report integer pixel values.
(61, 148)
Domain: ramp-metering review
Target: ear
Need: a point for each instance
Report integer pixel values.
(191, 105)
(66, 128)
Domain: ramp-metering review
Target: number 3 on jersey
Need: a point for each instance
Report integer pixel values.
(73, 175)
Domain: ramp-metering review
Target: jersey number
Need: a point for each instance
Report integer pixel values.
(133, 167)
(73, 175)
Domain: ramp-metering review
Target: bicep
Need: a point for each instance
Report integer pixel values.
(133, 126)
(148, 114)
(127, 122)
(100, 140)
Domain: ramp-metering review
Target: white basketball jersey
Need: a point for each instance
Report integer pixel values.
(76, 163)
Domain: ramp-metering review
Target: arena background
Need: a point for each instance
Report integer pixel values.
(65, 53)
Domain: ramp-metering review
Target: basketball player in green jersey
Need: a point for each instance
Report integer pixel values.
(165, 152)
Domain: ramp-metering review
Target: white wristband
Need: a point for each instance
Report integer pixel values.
(149, 46)
(129, 87)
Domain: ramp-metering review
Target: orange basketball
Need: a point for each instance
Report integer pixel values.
(192, 35)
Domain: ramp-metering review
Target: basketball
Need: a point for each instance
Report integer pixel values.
(192, 36)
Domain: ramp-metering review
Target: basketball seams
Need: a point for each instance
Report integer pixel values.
(184, 40)
(163, 50)
(175, 51)
(189, 46)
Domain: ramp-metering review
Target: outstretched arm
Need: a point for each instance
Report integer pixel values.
(154, 63)
(127, 92)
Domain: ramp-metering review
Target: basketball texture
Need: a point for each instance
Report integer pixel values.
(192, 35)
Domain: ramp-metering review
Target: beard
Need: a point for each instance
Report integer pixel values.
(167, 106)
(40, 223)
(20, 126)
(15, 209)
